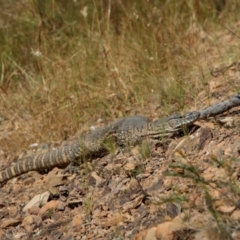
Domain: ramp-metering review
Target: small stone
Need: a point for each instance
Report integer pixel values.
(49, 206)
(38, 200)
(77, 221)
(34, 210)
(31, 222)
(10, 222)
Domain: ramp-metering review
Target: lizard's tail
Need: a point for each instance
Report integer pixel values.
(53, 158)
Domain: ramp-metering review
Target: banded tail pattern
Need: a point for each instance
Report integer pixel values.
(53, 158)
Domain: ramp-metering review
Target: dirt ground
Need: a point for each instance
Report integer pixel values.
(184, 188)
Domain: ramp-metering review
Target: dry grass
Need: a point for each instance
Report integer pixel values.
(65, 65)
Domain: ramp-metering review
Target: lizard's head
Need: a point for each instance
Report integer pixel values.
(174, 123)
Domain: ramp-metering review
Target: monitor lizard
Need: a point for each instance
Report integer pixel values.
(126, 131)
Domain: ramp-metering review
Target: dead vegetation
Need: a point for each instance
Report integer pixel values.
(68, 65)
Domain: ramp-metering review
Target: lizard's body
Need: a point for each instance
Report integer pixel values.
(124, 131)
